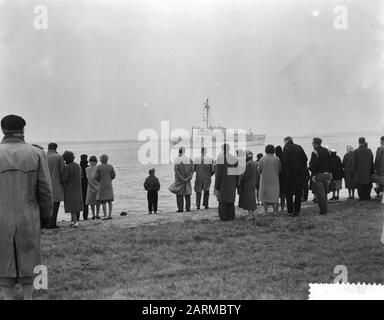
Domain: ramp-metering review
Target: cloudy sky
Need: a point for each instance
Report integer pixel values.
(107, 69)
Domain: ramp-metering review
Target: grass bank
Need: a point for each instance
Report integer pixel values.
(273, 257)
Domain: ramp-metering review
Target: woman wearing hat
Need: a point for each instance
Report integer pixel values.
(73, 197)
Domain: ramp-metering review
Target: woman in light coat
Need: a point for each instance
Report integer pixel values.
(269, 168)
(93, 187)
(104, 175)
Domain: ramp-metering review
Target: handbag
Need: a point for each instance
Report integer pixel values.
(178, 187)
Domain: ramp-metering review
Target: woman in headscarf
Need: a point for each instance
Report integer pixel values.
(349, 176)
(73, 198)
(247, 199)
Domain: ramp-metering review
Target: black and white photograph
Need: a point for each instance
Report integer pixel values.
(170, 151)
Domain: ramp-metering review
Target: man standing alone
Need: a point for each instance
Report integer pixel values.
(295, 167)
(320, 166)
(363, 169)
(56, 169)
(25, 200)
(204, 171)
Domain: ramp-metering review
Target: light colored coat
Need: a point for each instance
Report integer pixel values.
(56, 168)
(269, 167)
(183, 175)
(93, 186)
(25, 198)
(105, 173)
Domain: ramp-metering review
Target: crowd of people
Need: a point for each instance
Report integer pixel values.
(282, 176)
(80, 186)
(34, 183)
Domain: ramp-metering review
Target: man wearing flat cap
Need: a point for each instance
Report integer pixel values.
(25, 201)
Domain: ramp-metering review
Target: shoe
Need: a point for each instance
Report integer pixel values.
(149, 212)
(197, 208)
(93, 218)
(155, 212)
(75, 225)
(179, 211)
(98, 218)
(336, 198)
(206, 207)
(323, 213)
(188, 210)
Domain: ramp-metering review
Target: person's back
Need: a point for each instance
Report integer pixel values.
(294, 159)
(152, 183)
(379, 160)
(25, 201)
(183, 167)
(363, 162)
(320, 161)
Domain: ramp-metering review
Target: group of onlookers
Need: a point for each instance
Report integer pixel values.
(282, 175)
(33, 184)
(80, 186)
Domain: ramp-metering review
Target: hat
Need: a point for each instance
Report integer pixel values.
(12, 123)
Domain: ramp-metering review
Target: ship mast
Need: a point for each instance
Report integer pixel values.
(206, 107)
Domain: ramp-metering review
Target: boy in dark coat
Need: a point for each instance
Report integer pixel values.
(152, 185)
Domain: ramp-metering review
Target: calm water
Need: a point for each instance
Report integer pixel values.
(128, 186)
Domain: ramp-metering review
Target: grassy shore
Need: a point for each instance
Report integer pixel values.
(273, 257)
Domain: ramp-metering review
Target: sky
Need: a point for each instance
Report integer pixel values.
(108, 69)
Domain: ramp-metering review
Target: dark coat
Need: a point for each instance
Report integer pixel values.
(247, 199)
(348, 167)
(363, 165)
(282, 177)
(56, 168)
(320, 161)
(294, 160)
(225, 183)
(84, 180)
(152, 183)
(379, 161)
(337, 167)
(73, 196)
(25, 198)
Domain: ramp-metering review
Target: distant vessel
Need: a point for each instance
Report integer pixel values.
(218, 133)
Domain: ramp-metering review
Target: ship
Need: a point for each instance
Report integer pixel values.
(208, 130)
